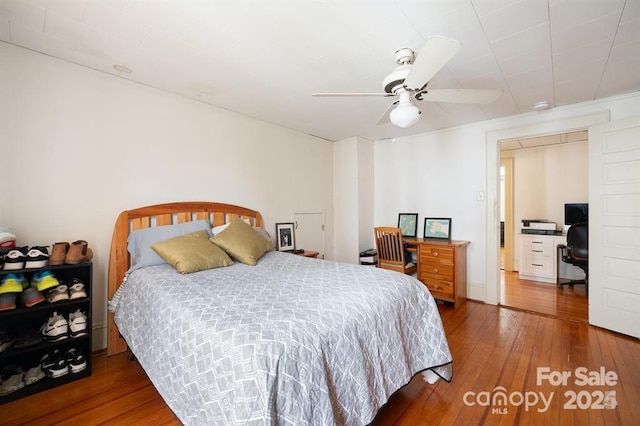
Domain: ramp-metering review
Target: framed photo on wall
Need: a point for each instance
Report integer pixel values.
(437, 227)
(408, 224)
(285, 236)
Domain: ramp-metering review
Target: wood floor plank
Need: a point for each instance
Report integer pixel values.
(492, 347)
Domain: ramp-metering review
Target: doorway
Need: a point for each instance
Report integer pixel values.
(309, 231)
(539, 191)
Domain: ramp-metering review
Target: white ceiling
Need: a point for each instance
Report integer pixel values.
(264, 58)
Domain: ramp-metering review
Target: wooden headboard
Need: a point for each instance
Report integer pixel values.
(159, 215)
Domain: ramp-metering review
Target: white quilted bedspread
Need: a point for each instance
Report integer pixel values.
(291, 340)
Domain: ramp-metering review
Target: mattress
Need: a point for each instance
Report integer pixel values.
(292, 340)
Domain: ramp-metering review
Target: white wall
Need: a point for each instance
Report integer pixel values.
(353, 198)
(440, 173)
(80, 146)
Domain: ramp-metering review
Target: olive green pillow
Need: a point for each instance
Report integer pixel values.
(192, 253)
(242, 242)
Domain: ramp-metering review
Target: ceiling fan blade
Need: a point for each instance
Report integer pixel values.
(463, 96)
(434, 55)
(385, 117)
(353, 94)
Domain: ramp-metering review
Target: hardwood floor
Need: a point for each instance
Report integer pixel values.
(491, 347)
(568, 303)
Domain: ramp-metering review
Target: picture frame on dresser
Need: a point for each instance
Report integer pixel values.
(285, 236)
(437, 227)
(408, 224)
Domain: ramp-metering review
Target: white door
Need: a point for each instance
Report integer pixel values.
(614, 226)
(309, 231)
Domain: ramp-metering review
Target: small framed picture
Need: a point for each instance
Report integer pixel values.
(437, 227)
(408, 224)
(285, 236)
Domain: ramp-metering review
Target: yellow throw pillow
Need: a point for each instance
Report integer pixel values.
(192, 253)
(242, 242)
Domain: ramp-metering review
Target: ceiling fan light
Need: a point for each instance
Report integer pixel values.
(404, 115)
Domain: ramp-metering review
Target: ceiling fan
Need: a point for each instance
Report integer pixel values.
(408, 82)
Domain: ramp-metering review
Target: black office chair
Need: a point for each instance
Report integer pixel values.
(577, 252)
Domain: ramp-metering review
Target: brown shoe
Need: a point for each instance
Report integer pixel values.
(79, 252)
(58, 253)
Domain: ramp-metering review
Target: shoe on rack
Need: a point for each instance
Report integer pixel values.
(8, 301)
(54, 364)
(6, 340)
(26, 337)
(43, 280)
(57, 328)
(76, 360)
(32, 373)
(77, 324)
(79, 252)
(11, 379)
(7, 239)
(57, 294)
(12, 283)
(15, 258)
(58, 253)
(31, 296)
(37, 257)
(76, 289)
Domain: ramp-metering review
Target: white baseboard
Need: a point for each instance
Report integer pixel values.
(99, 337)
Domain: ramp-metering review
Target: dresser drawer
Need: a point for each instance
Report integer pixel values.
(442, 269)
(440, 289)
(540, 266)
(537, 241)
(436, 254)
(542, 250)
(436, 271)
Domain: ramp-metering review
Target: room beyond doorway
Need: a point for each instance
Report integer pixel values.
(529, 175)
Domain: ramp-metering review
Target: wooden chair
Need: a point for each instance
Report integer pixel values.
(391, 250)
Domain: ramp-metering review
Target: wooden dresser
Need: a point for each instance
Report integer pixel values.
(442, 267)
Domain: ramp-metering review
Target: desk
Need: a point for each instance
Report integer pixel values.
(442, 267)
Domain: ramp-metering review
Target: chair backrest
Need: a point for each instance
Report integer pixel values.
(390, 249)
(578, 241)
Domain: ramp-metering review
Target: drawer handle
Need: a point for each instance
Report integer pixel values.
(537, 264)
(538, 251)
(435, 270)
(435, 287)
(435, 253)
(537, 242)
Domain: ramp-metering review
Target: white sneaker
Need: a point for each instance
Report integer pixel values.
(76, 360)
(55, 329)
(32, 373)
(58, 293)
(77, 324)
(77, 289)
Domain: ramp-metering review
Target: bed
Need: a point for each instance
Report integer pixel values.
(289, 340)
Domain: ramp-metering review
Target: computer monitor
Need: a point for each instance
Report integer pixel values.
(576, 213)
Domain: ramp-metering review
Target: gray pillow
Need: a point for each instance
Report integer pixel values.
(139, 242)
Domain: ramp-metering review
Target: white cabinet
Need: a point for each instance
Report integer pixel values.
(539, 259)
